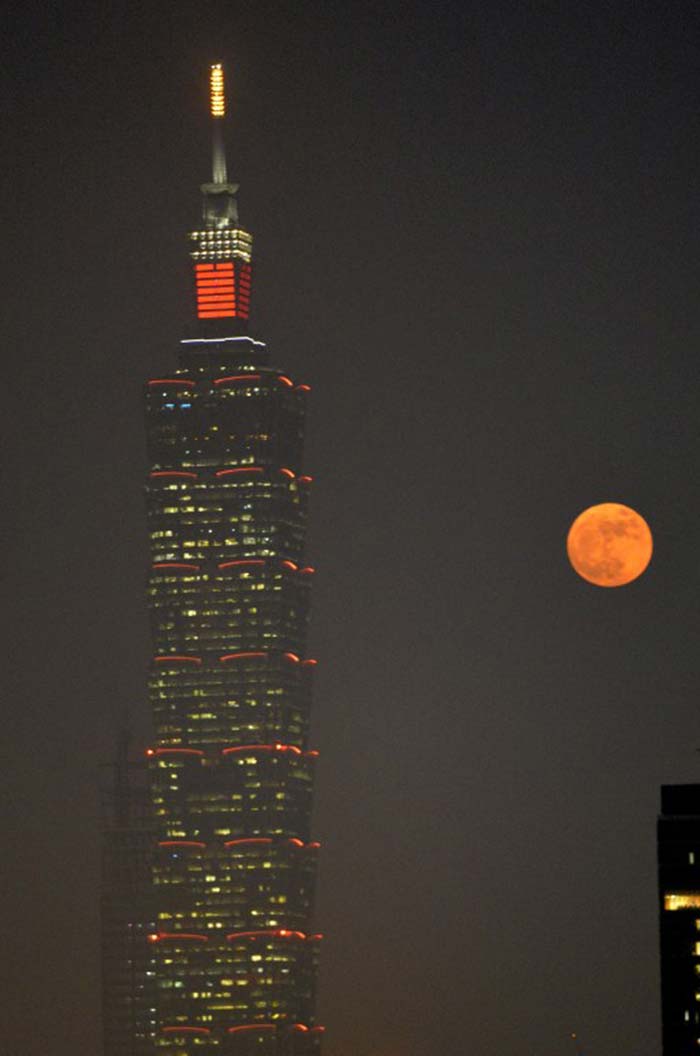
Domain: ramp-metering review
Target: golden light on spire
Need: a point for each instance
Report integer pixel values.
(216, 90)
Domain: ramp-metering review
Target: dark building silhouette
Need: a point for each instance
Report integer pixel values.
(127, 907)
(232, 948)
(679, 909)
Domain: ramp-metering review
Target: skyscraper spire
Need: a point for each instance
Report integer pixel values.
(222, 248)
(218, 112)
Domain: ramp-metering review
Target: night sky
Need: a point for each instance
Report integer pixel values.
(476, 237)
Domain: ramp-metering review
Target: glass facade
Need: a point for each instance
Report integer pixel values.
(231, 950)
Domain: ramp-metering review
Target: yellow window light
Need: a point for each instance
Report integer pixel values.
(216, 86)
(682, 900)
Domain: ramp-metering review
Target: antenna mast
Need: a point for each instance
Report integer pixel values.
(218, 112)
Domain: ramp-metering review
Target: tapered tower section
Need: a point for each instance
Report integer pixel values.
(232, 766)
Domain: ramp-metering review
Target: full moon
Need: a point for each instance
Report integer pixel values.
(609, 544)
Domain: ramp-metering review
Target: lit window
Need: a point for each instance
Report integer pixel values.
(682, 900)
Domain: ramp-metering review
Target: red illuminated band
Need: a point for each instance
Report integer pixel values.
(242, 656)
(169, 936)
(308, 571)
(309, 663)
(181, 843)
(244, 561)
(305, 480)
(265, 933)
(176, 564)
(172, 381)
(291, 656)
(238, 469)
(185, 1030)
(285, 380)
(173, 473)
(166, 658)
(290, 565)
(303, 388)
(262, 748)
(248, 839)
(236, 377)
(251, 1026)
(174, 751)
(287, 473)
(216, 295)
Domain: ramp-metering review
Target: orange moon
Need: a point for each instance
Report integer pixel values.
(609, 544)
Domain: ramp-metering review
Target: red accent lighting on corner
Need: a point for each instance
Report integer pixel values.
(216, 292)
(295, 842)
(303, 388)
(291, 656)
(308, 571)
(309, 663)
(300, 1026)
(290, 565)
(285, 380)
(318, 1030)
(305, 480)
(313, 846)
(287, 473)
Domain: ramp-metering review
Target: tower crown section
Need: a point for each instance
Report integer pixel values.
(221, 247)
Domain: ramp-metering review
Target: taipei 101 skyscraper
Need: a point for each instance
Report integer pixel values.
(231, 952)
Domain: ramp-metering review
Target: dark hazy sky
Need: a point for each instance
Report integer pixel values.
(476, 237)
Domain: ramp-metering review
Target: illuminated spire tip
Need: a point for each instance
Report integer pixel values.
(216, 90)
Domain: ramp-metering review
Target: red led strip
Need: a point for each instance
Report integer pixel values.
(167, 936)
(167, 657)
(262, 748)
(247, 561)
(251, 1026)
(241, 656)
(173, 473)
(237, 377)
(176, 564)
(248, 839)
(238, 469)
(265, 933)
(181, 843)
(172, 381)
(174, 751)
(185, 1030)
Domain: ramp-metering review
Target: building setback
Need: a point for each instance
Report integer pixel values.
(679, 910)
(232, 953)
